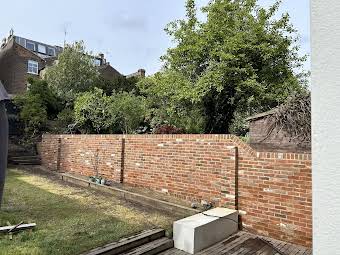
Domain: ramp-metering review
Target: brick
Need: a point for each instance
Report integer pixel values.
(274, 188)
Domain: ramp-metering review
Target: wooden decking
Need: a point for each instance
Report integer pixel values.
(244, 243)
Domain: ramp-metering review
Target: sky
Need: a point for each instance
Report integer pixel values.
(130, 32)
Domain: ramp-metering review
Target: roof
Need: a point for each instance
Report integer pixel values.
(3, 93)
(261, 115)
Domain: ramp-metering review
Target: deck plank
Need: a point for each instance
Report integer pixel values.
(245, 243)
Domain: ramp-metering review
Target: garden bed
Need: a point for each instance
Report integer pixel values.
(69, 219)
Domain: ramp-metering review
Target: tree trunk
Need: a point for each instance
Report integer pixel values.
(219, 112)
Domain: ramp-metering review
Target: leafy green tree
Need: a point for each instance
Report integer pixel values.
(74, 72)
(91, 112)
(240, 59)
(64, 119)
(95, 112)
(38, 105)
(118, 84)
(170, 100)
(129, 110)
(48, 96)
(32, 113)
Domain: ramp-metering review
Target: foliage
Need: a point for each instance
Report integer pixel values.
(171, 101)
(239, 125)
(64, 119)
(294, 117)
(74, 72)
(118, 84)
(47, 95)
(91, 111)
(36, 106)
(33, 113)
(129, 111)
(120, 113)
(240, 59)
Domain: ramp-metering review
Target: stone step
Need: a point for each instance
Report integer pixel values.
(129, 243)
(25, 160)
(24, 157)
(152, 248)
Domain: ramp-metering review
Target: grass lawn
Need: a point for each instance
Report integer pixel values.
(70, 220)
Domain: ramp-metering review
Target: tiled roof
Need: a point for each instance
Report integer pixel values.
(261, 115)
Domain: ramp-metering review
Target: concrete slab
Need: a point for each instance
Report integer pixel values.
(200, 231)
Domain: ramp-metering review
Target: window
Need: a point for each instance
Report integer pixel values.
(97, 62)
(41, 48)
(51, 52)
(30, 46)
(32, 67)
(21, 41)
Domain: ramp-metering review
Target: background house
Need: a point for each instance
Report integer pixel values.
(21, 58)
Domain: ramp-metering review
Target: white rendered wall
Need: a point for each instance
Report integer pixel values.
(325, 33)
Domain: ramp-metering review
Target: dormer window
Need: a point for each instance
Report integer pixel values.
(51, 52)
(97, 62)
(33, 67)
(30, 46)
(41, 49)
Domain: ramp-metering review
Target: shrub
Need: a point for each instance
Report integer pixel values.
(91, 112)
(129, 110)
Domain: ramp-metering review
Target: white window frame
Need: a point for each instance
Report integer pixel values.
(32, 67)
(48, 51)
(40, 47)
(27, 42)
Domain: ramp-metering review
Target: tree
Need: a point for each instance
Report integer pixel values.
(32, 113)
(95, 112)
(241, 59)
(130, 111)
(48, 96)
(91, 112)
(38, 105)
(118, 84)
(171, 100)
(74, 72)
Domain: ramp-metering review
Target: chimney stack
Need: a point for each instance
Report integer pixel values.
(141, 73)
(102, 58)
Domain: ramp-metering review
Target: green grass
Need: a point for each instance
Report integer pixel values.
(69, 220)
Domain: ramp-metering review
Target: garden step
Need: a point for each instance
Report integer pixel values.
(129, 243)
(24, 156)
(152, 248)
(25, 160)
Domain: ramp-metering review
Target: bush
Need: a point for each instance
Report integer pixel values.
(129, 110)
(91, 112)
(32, 113)
(95, 112)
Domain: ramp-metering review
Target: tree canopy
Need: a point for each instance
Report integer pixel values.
(73, 72)
(240, 59)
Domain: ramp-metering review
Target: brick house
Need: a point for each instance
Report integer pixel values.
(276, 140)
(21, 58)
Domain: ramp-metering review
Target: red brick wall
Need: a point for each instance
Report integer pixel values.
(274, 188)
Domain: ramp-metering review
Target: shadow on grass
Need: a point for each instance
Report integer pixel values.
(64, 225)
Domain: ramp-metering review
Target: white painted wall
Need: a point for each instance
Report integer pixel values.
(325, 18)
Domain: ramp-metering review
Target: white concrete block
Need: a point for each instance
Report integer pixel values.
(203, 230)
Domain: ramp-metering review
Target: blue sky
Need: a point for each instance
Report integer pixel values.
(129, 32)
